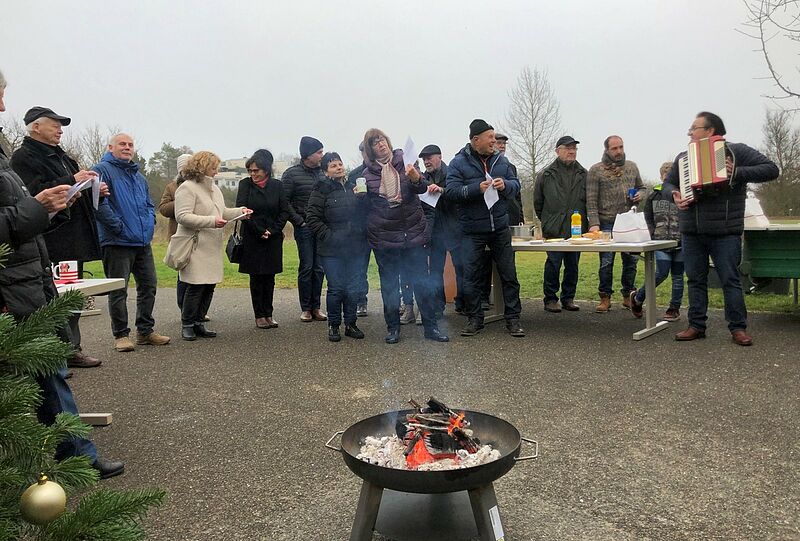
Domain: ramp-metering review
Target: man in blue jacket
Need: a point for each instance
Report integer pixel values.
(712, 224)
(477, 169)
(125, 223)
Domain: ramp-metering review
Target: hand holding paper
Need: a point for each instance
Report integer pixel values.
(409, 153)
(490, 195)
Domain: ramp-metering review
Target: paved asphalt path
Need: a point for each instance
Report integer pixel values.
(639, 440)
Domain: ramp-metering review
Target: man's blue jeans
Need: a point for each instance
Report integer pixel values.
(552, 270)
(57, 398)
(668, 262)
(411, 263)
(726, 253)
(342, 296)
(606, 272)
(309, 270)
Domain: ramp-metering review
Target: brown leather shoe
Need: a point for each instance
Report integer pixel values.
(552, 306)
(81, 360)
(570, 306)
(271, 323)
(318, 315)
(690, 334)
(742, 338)
(306, 317)
(605, 304)
(626, 301)
(261, 323)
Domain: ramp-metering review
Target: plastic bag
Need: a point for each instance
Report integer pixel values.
(631, 227)
(753, 214)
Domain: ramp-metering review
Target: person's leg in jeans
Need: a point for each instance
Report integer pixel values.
(606, 271)
(362, 281)
(552, 271)
(205, 304)
(438, 256)
(351, 287)
(335, 269)
(472, 250)
(305, 269)
(676, 268)
(414, 264)
(663, 266)
(117, 263)
(144, 271)
(726, 253)
(389, 271)
(695, 259)
(629, 262)
(57, 398)
(569, 284)
(503, 256)
(317, 276)
(486, 279)
(192, 303)
(180, 289)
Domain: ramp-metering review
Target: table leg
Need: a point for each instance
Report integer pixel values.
(487, 514)
(652, 326)
(368, 504)
(496, 312)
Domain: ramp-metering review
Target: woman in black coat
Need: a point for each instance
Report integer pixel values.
(336, 216)
(262, 234)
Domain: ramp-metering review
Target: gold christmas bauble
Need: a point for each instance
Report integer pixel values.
(43, 501)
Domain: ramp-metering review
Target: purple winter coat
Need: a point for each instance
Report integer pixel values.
(402, 226)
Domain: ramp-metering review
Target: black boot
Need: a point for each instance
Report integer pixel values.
(187, 333)
(200, 330)
(436, 335)
(393, 337)
(333, 333)
(352, 331)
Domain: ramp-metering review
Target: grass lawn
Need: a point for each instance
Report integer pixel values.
(530, 267)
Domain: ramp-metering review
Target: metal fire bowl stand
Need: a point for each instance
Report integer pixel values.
(477, 481)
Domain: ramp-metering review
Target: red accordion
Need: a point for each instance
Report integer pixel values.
(703, 166)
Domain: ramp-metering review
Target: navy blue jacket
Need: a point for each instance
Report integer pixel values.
(127, 217)
(464, 175)
(721, 211)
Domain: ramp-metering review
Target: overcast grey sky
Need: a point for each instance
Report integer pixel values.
(235, 76)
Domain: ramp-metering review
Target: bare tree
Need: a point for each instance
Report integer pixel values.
(781, 197)
(773, 23)
(533, 123)
(14, 132)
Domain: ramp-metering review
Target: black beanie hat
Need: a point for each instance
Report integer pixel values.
(308, 146)
(477, 127)
(327, 158)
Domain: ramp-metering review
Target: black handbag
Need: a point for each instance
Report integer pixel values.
(234, 246)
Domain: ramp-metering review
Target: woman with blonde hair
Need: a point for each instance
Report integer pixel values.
(200, 210)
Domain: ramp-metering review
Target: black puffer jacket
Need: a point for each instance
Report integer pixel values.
(74, 235)
(721, 211)
(22, 220)
(464, 175)
(400, 226)
(442, 219)
(338, 218)
(297, 182)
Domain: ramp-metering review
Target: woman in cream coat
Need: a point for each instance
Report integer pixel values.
(200, 208)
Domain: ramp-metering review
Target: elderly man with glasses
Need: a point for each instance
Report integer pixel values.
(712, 224)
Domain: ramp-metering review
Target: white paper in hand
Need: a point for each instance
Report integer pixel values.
(409, 152)
(491, 195)
(430, 198)
(74, 189)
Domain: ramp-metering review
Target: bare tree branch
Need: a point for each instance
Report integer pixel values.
(533, 123)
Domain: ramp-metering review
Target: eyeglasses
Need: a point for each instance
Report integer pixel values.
(253, 171)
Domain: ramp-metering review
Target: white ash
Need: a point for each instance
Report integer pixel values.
(387, 451)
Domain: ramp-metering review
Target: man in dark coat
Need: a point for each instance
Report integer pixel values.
(445, 231)
(42, 164)
(560, 190)
(712, 225)
(363, 282)
(297, 182)
(26, 285)
(477, 170)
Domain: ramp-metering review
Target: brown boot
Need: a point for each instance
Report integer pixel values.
(605, 304)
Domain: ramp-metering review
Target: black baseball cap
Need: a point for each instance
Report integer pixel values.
(35, 113)
(430, 150)
(567, 140)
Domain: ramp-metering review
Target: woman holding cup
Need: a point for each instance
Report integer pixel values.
(336, 215)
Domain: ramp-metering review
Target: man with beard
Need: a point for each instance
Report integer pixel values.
(607, 186)
(43, 164)
(476, 168)
(560, 190)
